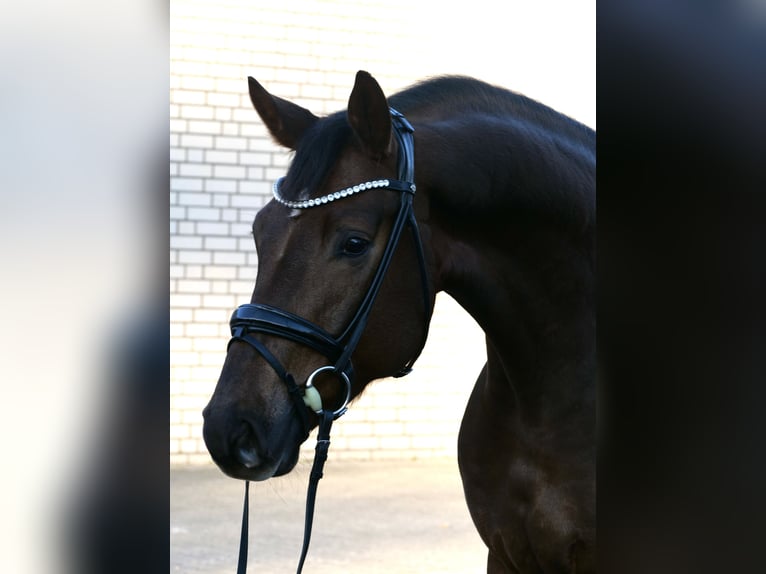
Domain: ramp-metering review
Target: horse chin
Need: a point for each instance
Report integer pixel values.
(263, 470)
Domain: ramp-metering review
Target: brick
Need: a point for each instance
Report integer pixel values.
(259, 158)
(241, 229)
(197, 112)
(210, 228)
(229, 171)
(295, 75)
(233, 86)
(179, 431)
(247, 273)
(185, 242)
(243, 287)
(280, 159)
(215, 344)
(395, 442)
(194, 417)
(187, 227)
(221, 70)
(388, 428)
(184, 358)
(222, 200)
(428, 442)
(217, 156)
(351, 429)
(219, 301)
(188, 402)
(229, 214)
(203, 213)
(221, 186)
(194, 199)
(230, 143)
(209, 375)
(216, 316)
(194, 271)
(180, 344)
(189, 445)
(223, 115)
(185, 184)
(199, 83)
(213, 359)
(204, 127)
(223, 100)
(197, 330)
(230, 129)
(229, 258)
(179, 314)
(248, 201)
(256, 129)
(193, 286)
(195, 155)
(260, 144)
(187, 300)
(200, 257)
(221, 243)
(219, 287)
(245, 243)
(179, 373)
(196, 141)
(178, 125)
(199, 459)
(272, 174)
(187, 97)
(244, 115)
(364, 443)
(256, 188)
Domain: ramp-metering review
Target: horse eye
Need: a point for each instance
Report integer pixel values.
(355, 246)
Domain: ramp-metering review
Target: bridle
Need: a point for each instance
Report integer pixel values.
(253, 318)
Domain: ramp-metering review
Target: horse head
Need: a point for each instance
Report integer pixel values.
(321, 244)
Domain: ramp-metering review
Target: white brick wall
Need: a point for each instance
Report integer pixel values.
(223, 164)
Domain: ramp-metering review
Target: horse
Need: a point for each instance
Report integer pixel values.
(451, 185)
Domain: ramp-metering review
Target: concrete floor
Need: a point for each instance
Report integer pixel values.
(372, 517)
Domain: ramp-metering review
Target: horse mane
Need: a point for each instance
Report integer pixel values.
(460, 102)
(444, 95)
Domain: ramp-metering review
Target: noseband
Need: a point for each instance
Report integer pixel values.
(255, 318)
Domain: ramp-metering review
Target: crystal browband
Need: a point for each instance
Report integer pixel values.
(306, 203)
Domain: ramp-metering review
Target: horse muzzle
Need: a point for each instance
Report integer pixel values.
(242, 449)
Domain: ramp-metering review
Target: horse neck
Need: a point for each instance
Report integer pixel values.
(524, 275)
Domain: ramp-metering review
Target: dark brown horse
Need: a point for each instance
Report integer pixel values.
(502, 219)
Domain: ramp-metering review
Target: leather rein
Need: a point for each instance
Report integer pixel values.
(259, 318)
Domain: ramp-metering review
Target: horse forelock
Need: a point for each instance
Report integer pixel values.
(318, 150)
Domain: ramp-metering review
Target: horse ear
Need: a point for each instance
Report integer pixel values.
(369, 115)
(285, 120)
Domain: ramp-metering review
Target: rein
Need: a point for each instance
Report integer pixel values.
(259, 318)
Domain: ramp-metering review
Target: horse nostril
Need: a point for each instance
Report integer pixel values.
(248, 457)
(245, 447)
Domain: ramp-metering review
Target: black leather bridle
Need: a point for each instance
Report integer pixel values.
(253, 318)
